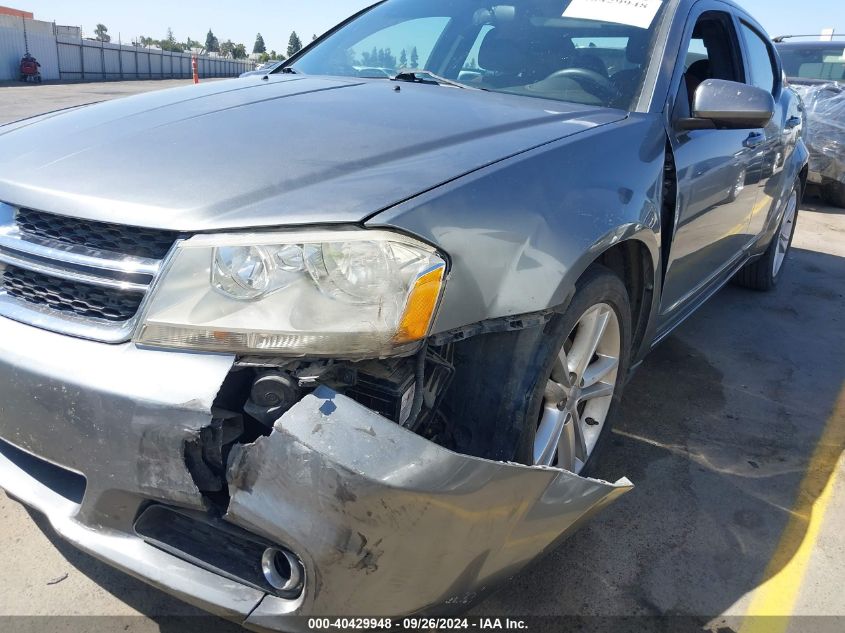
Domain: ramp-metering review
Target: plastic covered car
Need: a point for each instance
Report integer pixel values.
(816, 69)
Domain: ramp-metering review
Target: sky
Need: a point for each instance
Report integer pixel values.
(241, 21)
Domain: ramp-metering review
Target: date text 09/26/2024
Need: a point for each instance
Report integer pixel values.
(417, 624)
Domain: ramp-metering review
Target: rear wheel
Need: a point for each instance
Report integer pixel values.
(583, 381)
(765, 272)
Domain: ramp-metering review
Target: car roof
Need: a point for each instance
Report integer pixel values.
(791, 43)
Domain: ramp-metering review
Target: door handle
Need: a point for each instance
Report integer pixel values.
(754, 140)
(793, 122)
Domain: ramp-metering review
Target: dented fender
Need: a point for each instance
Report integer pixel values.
(387, 523)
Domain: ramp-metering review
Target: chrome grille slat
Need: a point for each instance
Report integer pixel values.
(68, 274)
(55, 273)
(11, 239)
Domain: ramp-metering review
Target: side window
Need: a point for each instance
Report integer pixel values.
(760, 59)
(713, 53)
(471, 62)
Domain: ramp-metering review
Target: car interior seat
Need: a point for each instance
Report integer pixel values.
(636, 53)
(526, 56)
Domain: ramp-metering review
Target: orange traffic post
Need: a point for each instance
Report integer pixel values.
(195, 68)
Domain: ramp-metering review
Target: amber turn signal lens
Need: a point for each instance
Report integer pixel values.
(421, 305)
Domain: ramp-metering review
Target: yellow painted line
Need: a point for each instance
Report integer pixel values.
(773, 602)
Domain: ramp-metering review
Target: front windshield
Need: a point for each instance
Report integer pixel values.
(814, 62)
(583, 51)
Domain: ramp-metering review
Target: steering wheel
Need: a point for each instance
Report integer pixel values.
(596, 84)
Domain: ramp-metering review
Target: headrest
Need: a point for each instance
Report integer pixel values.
(637, 49)
(501, 53)
(512, 51)
(700, 70)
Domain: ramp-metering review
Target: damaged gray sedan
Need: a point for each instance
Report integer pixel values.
(367, 368)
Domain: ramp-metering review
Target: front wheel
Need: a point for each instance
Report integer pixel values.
(584, 379)
(765, 272)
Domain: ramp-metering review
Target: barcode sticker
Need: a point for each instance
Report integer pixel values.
(639, 13)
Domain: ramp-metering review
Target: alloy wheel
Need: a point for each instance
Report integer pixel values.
(784, 238)
(579, 391)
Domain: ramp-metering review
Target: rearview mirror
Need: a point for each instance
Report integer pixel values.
(496, 15)
(729, 105)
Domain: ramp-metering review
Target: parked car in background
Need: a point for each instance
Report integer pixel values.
(265, 69)
(816, 69)
(376, 379)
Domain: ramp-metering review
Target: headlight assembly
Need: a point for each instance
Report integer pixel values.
(340, 294)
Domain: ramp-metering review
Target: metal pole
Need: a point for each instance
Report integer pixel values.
(120, 55)
(82, 59)
(25, 36)
(58, 56)
(103, 58)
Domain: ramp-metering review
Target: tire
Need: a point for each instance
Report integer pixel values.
(764, 273)
(598, 290)
(833, 193)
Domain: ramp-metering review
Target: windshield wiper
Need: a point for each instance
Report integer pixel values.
(420, 76)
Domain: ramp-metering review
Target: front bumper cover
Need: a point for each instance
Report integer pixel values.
(385, 522)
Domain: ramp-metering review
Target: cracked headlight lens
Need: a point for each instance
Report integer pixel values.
(340, 294)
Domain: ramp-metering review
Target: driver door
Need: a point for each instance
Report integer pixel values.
(718, 172)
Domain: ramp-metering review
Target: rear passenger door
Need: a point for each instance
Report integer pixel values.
(718, 171)
(763, 71)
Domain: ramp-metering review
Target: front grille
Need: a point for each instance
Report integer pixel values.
(66, 296)
(127, 240)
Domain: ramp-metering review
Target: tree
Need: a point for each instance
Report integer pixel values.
(102, 33)
(403, 59)
(385, 59)
(415, 58)
(169, 43)
(191, 44)
(239, 51)
(226, 48)
(259, 46)
(212, 45)
(314, 37)
(294, 44)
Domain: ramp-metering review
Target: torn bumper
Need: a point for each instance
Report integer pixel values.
(384, 522)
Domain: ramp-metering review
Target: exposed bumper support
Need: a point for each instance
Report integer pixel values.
(388, 523)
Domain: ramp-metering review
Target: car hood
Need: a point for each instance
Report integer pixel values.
(286, 150)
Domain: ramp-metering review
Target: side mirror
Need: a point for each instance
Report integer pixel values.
(729, 105)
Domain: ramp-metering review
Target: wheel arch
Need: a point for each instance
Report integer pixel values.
(636, 266)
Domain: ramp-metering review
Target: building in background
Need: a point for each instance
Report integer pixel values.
(16, 13)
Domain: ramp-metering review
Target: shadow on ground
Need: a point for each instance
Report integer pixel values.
(717, 430)
(169, 614)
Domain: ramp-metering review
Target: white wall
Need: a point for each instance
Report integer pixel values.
(71, 58)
